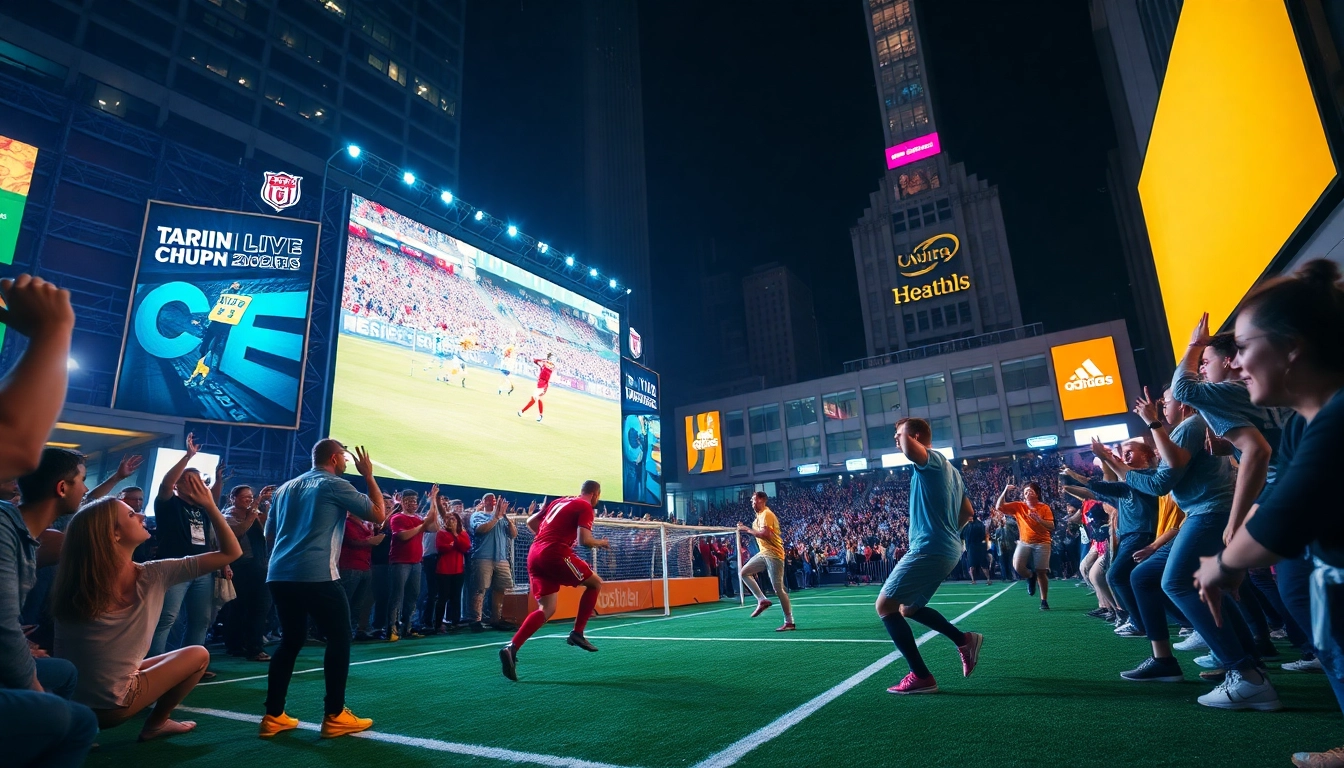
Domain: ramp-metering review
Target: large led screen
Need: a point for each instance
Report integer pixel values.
(17, 161)
(1087, 378)
(217, 328)
(443, 351)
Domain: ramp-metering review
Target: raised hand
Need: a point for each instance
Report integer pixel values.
(1200, 337)
(194, 491)
(32, 306)
(363, 463)
(192, 446)
(1146, 408)
(266, 494)
(128, 464)
(1009, 488)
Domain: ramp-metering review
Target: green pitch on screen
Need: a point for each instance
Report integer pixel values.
(11, 218)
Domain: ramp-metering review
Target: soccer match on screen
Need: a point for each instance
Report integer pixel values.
(626, 384)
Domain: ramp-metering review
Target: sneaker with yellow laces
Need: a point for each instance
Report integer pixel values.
(344, 724)
(273, 724)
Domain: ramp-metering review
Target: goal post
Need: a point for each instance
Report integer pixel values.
(650, 565)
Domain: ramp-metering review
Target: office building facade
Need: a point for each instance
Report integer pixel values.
(783, 344)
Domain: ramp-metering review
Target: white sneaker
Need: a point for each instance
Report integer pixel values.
(1236, 692)
(1185, 632)
(1127, 626)
(1279, 634)
(1303, 665)
(1208, 661)
(1192, 643)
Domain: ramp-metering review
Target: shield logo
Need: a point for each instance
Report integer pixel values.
(636, 344)
(280, 190)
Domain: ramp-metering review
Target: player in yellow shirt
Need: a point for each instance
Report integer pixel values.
(227, 312)
(765, 529)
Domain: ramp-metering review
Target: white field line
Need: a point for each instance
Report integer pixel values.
(739, 749)
(870, 605)
(394, 471)
(468, 647)
(472, 750)
(742, 639)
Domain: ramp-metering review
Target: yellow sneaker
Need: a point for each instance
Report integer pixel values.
(392, 636)
(344, 724)
(273, 724)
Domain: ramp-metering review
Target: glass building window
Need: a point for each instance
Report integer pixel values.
(219, 61)
(805, 447)
(763, 418)
(909, 323)
(964, 309)
(798, 413)
(926, 390)
(881, 437)
(392, 69)
(941, 426)
(970, 383)
(735, 426)
(881, 399)
(737, 456)
(1025, 373)
(282, 94)
(936, 315)
(944, 209)
(767, 453)
(840, 405)
(1031, 416)
(923, 319)
(237, 8)
(981, 423)
(850, 441)
(299, 41)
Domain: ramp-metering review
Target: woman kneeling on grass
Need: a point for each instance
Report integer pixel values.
(106, 608)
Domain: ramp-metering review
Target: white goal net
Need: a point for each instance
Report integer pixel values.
(644, 558)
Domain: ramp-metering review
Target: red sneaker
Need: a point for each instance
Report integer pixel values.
(912, 684)
(788, 627)
(760, 608)
(970, 652)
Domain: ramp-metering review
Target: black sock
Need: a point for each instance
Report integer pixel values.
(899, 630)
(935, 621)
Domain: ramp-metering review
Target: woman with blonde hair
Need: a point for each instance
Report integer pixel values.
(106, 607)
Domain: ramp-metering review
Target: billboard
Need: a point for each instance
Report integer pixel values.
(1087, 379)
(217, 328)
(915, 149)
(704, 443)
(1222, 187)
(457, 367)
(17, 161)
(641, 444)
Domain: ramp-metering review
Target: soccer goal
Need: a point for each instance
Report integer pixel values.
(651, 566)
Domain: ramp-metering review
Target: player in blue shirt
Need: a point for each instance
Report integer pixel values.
(938, 510)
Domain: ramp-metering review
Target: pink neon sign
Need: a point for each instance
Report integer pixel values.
(912, 150)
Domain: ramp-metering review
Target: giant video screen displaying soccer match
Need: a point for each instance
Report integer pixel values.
(457, 367)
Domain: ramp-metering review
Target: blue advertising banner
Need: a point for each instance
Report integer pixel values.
(217, 328)
(641, 435)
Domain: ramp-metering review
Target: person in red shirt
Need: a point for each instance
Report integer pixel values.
(450, 573)
(708, 557)
(356, 568)
(546, 368)
(551, 563)
(408, 549)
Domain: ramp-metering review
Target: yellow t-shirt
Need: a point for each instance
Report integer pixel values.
(1169, 516)
(773, 544)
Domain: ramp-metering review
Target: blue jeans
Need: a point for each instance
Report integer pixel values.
(1122, 566)
(1294, 577)
(1150, 601)
(57, 676)
(195, 601)
(43, 729)
(405, 590)
(1202, 536)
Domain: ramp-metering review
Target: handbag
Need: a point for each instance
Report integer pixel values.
(224, 590)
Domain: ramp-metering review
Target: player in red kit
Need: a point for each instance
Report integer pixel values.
(551, 564)
(543, 383)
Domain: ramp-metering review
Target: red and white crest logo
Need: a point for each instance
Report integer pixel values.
(281, 190)
(636, 344)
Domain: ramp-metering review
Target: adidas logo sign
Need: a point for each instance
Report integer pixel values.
(1086, 376)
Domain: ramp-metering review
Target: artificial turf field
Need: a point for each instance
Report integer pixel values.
(416, 428)
(710, 687)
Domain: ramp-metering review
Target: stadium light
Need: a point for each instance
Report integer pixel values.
(569, 261)
(480, 215)
(513, 231)
(592, 272)
(408, 177)
(446, 197)
(542, 247)
(71, 364)
(627, 291)
(353, 150)
(612, 282)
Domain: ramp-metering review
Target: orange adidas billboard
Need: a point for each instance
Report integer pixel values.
(704, 443)
(1087, 378)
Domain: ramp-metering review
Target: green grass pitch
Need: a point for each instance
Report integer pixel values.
(705, 684)
(416, 428)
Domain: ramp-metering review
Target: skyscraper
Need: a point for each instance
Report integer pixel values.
(930, 250)
(616, 196)
(783, 344)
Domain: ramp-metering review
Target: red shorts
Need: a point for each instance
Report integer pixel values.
(551, 567)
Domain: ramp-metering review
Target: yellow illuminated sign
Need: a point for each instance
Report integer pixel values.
(940, 287)
(1087, 379)
(704, 443)
(928, 255)
(1236, 158)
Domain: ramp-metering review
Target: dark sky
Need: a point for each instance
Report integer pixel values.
(763, 138)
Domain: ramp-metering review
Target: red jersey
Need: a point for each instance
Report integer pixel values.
(562, 521)
(411, 550)
(544, 375)
(353, 558)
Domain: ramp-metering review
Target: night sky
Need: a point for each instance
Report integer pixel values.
(763, 142)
